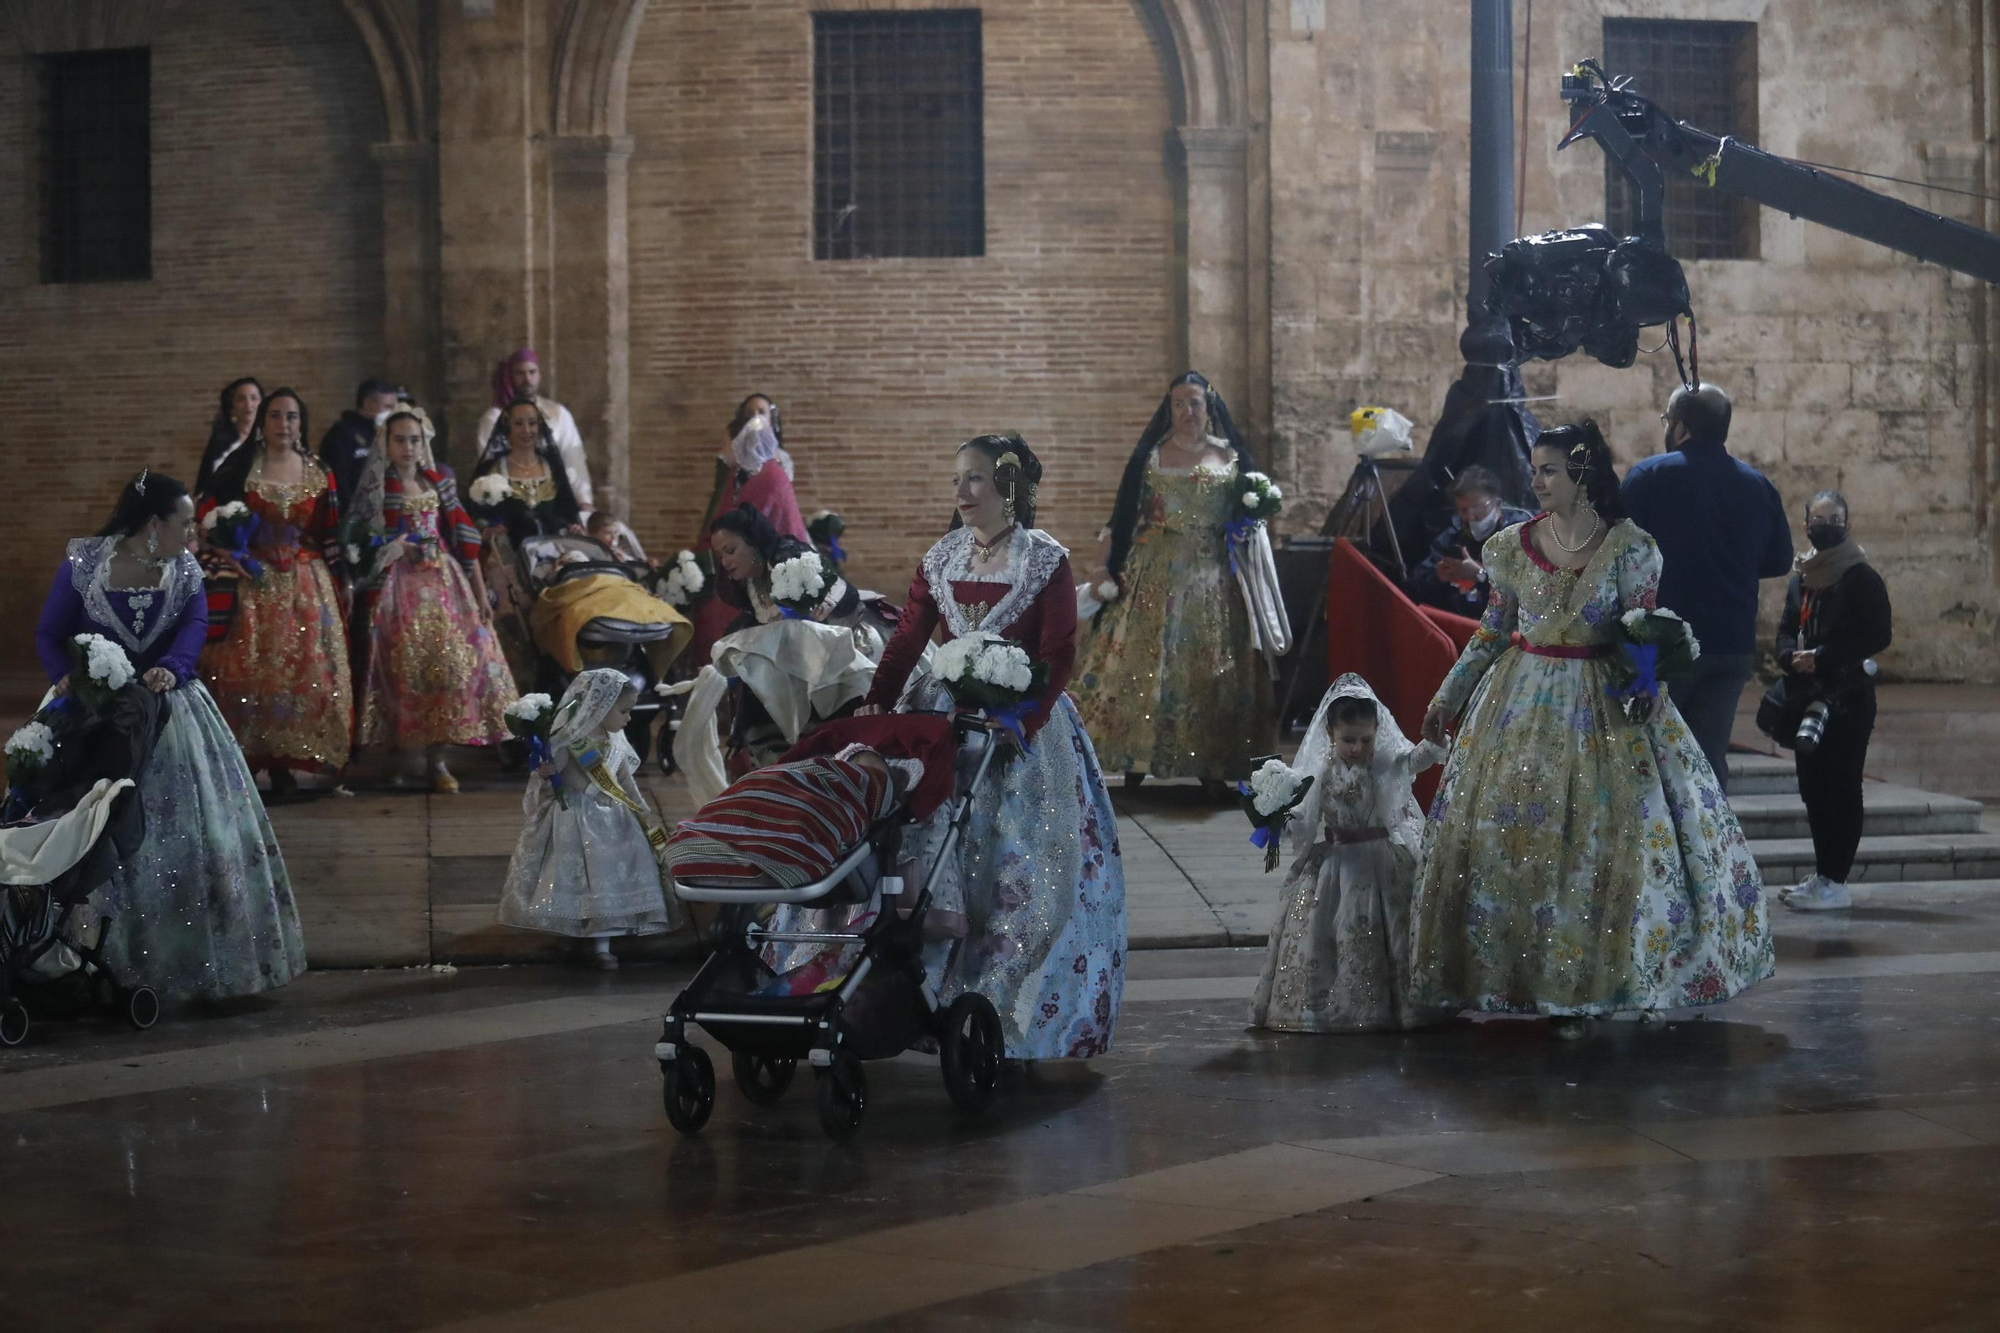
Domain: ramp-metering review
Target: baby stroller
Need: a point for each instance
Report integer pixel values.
(642, 648)
(884, 1003)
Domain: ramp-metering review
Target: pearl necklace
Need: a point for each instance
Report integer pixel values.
(1556, 536)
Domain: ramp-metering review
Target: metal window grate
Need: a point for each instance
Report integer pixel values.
(1703, 73)
(899, 154)
(96, 166)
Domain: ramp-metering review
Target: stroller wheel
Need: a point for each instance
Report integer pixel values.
(762, 1078)
(843, 1098)
(142, 1007)
(689, 1088)
(13, 1023)
(971, 1047)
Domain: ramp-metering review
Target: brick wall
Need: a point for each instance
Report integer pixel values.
(267, 260)
(1849, 366)
(1063, 330)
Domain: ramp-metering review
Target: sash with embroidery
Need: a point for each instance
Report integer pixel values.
(592, 761)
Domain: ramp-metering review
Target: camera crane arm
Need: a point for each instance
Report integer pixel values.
(1643, 140)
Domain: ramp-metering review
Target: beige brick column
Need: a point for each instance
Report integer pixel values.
(587, 195)
(1217, 272)
(410, 267)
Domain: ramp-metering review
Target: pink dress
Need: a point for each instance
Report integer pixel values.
(435, 673)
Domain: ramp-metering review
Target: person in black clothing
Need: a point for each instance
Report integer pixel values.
(1451, 576)
(1836, 618)
(343, 450)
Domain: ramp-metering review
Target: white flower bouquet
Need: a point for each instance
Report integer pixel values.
(29, 751)
(684, 581)
(1262, 499)
(232, 527)
(1269, 797)
(1656, 647)
(99, 669)
(992, 675)
(489, 491)
(531, 718)
(798, 584)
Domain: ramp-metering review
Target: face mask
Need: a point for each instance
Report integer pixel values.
(1825, 535)
(1482, 528)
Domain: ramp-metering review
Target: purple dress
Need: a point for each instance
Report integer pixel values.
(205, 909)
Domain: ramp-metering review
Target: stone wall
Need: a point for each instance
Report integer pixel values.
(1064, 330)
(1849, 366)
(266, 261)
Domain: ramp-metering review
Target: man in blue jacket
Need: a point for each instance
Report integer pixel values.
(1721, 527)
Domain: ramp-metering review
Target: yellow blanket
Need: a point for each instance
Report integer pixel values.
(561, 612)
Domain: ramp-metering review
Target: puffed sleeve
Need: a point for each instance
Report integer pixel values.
(1057, 646)
(920, 620)
(1495, 632)
(1638, 573)
(62, 616)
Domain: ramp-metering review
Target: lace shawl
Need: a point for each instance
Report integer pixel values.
(1032, 557)
(90, 575)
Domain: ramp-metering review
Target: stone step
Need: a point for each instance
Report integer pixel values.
(1891, 810)
(1761, 775)
(1901, 857)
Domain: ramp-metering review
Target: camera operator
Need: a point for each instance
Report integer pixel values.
(1836, 618)
(1451, 576)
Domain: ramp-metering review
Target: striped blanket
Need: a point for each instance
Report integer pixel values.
(786, 825)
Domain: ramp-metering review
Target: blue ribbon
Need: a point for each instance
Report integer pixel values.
(539, 754)
(241, 552)
(1261, 836)
(1237, 531)
(833, 551)
(1645, 659)
(1011, 717)
(789, 613)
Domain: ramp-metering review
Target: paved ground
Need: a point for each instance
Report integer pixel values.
(485, 1150)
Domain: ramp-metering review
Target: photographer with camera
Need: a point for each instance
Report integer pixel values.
(1836, 619)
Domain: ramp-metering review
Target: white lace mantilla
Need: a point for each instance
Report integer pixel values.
(1032, 556)
(90, 575)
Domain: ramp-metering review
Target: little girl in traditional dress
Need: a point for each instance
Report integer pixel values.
(1339, 959)
(588, 863)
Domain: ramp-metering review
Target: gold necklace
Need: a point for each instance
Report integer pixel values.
(985, 551)
(1556, 537)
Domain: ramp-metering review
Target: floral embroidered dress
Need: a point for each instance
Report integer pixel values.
(1169, 684)
(1575, 863)
(205, 909)
(1038, 876)
(281, 676)
(435, 672)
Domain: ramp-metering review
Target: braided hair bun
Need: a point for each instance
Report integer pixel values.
(1588, 461)
(1017, 472)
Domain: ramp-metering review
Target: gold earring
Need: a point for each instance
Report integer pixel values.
(1007, 505)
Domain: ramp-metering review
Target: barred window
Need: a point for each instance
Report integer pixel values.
(1703, 73)
(899, 155)
(96, 197)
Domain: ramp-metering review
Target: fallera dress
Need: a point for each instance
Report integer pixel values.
(1576, 863)
(205, 910)
(435, 671)
(281, 676)
(1168, 683)
(1038, 878)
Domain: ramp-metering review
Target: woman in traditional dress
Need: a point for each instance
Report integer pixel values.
(1037, 880)
(1170, 684)
(435, 675)
(205, 909)
(757, 472)
(539, 503)
(1576, 863)
(281, 674)
(241, 402)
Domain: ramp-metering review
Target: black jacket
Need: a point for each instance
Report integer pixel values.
(1847, 624)
(343, 451)
(1425, 586)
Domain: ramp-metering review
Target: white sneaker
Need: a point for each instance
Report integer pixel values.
(1823, 895)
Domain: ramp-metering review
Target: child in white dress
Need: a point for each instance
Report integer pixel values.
(1339, 957)
(588, 863)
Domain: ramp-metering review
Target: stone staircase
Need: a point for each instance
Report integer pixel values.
(1907, 834)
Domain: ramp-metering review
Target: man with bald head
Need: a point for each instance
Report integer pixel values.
(1721, 527)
